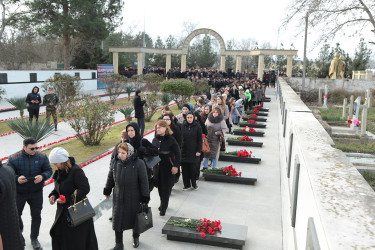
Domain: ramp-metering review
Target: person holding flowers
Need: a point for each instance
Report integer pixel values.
(69, 177)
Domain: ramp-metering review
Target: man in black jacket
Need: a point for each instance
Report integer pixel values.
(138, 108)
(33, 101)
(32, 168)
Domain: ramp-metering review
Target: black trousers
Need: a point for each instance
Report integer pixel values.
(189, 174)
(35, 201)
(32, 113)
(119, 236)
(246, 105)
(164, 190)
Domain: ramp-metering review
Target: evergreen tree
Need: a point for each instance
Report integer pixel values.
(229, 60)
(159, 59)
(88, 19)
(361, 57)
(172, 43)
(207, 56)
(323, 62)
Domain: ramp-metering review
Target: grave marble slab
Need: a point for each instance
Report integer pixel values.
(245, 178)
(258, 114)
(231, 235)
(258, 119)
(249, 133)
(235, 158)
(245, 143)
(258, 125)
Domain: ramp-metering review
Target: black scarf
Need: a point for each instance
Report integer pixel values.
(216, 119)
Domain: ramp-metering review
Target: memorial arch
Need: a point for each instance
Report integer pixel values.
(223, 53)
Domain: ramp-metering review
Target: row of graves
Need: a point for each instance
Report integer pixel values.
(245, 140)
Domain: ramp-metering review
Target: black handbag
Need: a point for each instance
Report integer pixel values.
(151, 161)
(143, 220)
(79, 212)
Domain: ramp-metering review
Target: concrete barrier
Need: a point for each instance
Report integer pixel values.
(326, 203)
(349, 85)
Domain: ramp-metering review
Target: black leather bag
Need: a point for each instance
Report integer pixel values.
(79, 212)
(143, 221)
(151, 161)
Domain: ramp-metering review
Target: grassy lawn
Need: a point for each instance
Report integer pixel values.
(370, 178)
(4, 128)
(82, 153)
(333, 114)
(368, 148)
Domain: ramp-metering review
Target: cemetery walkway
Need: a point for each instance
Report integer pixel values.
(256, 206)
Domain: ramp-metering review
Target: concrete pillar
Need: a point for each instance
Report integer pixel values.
(183, 63)
(260, 67)
(369, 98)
(289, 66)
(320, 95)
(325, 96)
(222, 63)
(115, 62)
(238, 63)
(345, 103)
(351, 106)
(140, 63)
(168, 63)
(364, 120)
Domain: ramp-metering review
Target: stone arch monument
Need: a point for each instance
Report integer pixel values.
(223, 53)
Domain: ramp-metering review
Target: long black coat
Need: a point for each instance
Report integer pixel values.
(138, 107)
(9, 225)
(64, 237)
(129, 180)
(191, 141)
(170, 155)
(33, 97)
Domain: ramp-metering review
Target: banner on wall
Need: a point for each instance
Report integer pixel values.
(103, 69)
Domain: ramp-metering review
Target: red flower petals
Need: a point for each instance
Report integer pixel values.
(246, 138)
(62, 198)
(244, 153)
(231, 171)
(207, 226)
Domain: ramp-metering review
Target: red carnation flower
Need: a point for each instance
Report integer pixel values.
(62, 198)
(203, 235)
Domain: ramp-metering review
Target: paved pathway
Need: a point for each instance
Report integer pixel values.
(258, 206)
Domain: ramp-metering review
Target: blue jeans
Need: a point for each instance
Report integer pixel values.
(205, 163)
(141, 125)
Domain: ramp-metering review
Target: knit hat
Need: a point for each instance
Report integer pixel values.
(58, 155)
(186, 106)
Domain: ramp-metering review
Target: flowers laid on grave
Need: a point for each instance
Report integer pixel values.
(229, 171)
(203, 226)
(253, 116)
(356, 122)
(252, 122)
(259, 107)
(241, 153)
(247, 129)
(246, 138)
(256, 110)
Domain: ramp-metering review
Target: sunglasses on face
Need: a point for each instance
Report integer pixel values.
(33, 148)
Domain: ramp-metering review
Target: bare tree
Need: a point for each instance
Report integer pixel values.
(332, 16)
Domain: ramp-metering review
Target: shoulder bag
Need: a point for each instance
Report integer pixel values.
(79, 212)
(143, 220)
(151, 161)
(205, 145)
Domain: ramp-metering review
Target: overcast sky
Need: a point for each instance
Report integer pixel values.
(240, 19)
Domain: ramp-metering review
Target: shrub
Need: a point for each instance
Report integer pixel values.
(201, 87)
(179, 89)
(126, 111)
(165, 99)
(114, 86)
(66, 88)
(89, 117)
(2, 92)
(153, 102)
(19, 103)
(129, 89)
(153, 82)
(38, 130)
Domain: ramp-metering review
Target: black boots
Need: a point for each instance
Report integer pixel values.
(118, 246)
(55, 126)
(135, 242)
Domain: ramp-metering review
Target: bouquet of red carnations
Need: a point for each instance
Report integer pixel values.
(252, 122)
(247, 129)
(246, 138)
(208, 226)
(244, 153)
(231, 171)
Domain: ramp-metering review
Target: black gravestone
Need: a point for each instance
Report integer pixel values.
(258, 125)
(231, 236)
(245, 178)
(235, 158)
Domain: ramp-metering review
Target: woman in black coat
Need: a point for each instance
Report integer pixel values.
(10, 232)
(168, 117)
(128, 178)
(170, 155)
(68, 178)
(190, 151)
(138, 109)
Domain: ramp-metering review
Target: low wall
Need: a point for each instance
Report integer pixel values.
(20, 82)
(349, 85)
(326, 203)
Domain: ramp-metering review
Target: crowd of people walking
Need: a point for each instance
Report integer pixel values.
(137, 166)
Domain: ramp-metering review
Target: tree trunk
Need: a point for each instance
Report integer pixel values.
(66, 39)
(2, 26)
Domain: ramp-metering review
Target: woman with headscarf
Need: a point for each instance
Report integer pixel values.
(164, 171)
(181, 117)
(168, 118)
(206, 111)
(190, 151)
(216, 128)
(69, 177)
(127, 178)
